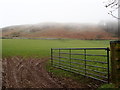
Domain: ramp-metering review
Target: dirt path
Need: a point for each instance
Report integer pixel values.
(24, 73)
(19, 72)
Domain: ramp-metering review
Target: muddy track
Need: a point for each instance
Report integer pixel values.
(26, 73)
(19, 72)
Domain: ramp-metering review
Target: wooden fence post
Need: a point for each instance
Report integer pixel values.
(115, 62)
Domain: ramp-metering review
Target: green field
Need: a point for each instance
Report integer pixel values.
(41, 48)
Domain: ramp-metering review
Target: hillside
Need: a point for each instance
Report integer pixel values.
(57, 30)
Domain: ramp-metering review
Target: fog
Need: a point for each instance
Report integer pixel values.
(17, 12)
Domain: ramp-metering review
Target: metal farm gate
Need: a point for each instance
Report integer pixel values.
(89, 62)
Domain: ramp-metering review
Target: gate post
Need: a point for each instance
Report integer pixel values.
(115, 62)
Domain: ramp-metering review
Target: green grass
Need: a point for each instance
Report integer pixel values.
(41, 48)
(107, 86)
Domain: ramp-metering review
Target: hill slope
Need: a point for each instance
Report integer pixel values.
(56, 30)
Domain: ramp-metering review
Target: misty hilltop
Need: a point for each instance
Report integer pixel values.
(57, 30)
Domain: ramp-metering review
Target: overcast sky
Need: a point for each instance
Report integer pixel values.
(16, 12)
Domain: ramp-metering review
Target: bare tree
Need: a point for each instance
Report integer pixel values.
(113, 5)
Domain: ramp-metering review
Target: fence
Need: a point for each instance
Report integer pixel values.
(89, 62)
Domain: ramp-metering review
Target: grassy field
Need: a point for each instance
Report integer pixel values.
(41, 48)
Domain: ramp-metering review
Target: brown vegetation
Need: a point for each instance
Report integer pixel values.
(58, 31)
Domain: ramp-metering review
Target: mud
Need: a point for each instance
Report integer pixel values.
(26, 73)
(19, 72)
